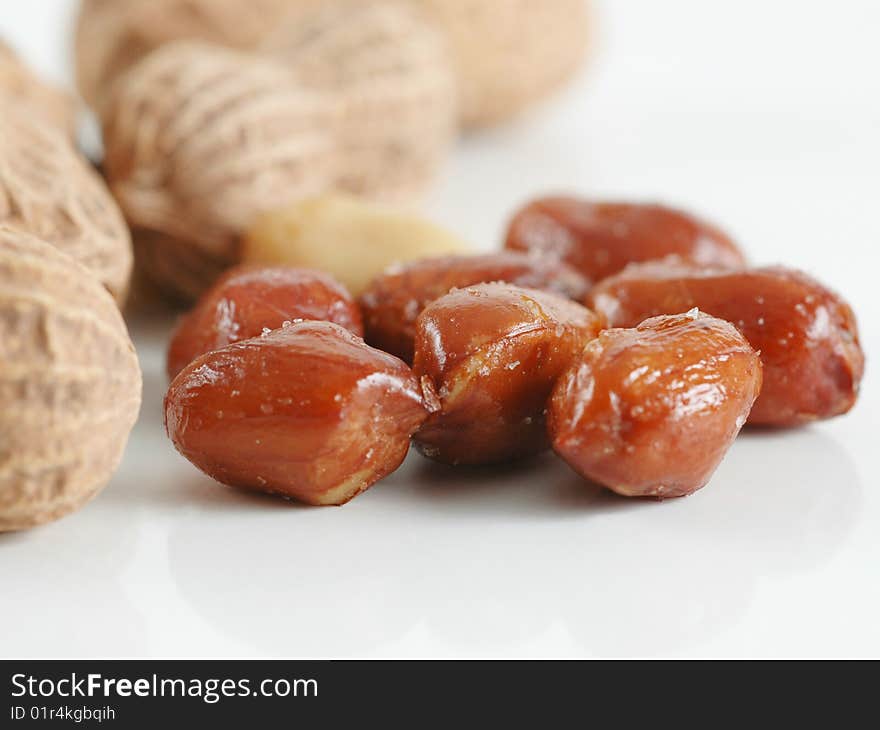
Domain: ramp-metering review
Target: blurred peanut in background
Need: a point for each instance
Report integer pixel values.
(216, 112)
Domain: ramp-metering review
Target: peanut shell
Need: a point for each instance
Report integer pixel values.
(24, 88)
(69, 381)
(392, 77)
(200, 139)
(47, 189)
(509, 54)
(113, 35)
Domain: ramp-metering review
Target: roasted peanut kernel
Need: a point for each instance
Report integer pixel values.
(308, 411)
(652, 411)
(600, 239)
(807, 335)
(395, 299)
(248, 300)
(492, 353)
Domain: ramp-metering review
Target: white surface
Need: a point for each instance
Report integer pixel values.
(764, 116)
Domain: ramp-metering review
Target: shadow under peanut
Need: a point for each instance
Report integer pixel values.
(541, 487)
(781, 504)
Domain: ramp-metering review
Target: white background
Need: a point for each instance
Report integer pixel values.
(762, 115)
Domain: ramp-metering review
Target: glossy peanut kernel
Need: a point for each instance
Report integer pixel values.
(600, 239)
(807, 335)
(394, 300)
(248, 300)
(651, 411)
(308, 411)
(492, 353)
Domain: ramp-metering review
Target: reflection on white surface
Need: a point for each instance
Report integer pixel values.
(487, 562)
(61, 585)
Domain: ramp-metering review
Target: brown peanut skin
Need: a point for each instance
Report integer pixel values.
(394, 300)
(492, 353)
(248, 300)
(308, 411)
(807, 335)
(652, 411)
(600, 239)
